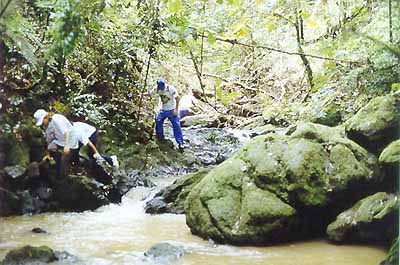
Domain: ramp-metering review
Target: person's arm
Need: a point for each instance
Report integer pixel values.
(150, 92)
(67, 143)
(94, 149)
(176, 111)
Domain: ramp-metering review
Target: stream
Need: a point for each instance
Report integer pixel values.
(119, 234)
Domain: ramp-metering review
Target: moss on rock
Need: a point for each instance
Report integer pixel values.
(391, 154)
(376, 123)
(253, 196)
(372, 218)
(29, 254)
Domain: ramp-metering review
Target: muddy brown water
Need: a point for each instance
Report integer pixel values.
(119, 234)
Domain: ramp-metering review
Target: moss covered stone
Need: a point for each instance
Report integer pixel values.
(377, 121)
(372, 218)
(391, 154)
(253, 196)
(29, 255)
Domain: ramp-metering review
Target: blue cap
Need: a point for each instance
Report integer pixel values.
(160, 84)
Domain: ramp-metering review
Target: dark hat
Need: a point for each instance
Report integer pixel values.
(160, 84)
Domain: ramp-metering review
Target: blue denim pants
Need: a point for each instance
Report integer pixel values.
(162, 115)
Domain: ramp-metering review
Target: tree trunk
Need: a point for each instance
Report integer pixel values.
(2, 60)
(301, 52)
(390, 22)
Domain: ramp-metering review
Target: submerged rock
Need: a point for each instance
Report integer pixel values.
(279, 187)
(376, 124)
(164, 252)
(29, 255)
(38, 230)
(172, 198)
(374, 218)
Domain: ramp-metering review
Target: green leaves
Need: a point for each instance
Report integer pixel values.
(174, 6)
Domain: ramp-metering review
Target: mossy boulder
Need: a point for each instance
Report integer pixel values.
(29, 255)
(262, 193)
(391, 154)
(372, 219)
(376, 124)
(171, 199)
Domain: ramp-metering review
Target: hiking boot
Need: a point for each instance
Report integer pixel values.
(114, 160)
(181, 147)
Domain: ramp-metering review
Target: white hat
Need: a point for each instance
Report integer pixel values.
(39, 116)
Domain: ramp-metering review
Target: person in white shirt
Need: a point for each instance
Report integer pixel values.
(187, 102)
(170, 109)
(82, 134)
(56, 128)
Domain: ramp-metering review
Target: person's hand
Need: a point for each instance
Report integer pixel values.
(47, 157)
(175, 113)
(97, 156)
(66, 150)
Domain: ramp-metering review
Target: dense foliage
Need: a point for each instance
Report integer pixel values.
(93, 60)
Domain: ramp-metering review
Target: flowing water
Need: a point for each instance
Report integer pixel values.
(119, 234)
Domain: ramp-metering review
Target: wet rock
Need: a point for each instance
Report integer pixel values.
(33, 170)
(372, 219)
(66, 256)
(164, 252)
(171, 199)
(156, 205)
(265, 130)
(375, 125)
(80, 193)
(28, 203)
(44, 193)
(29, 255)
(280, 187)
(15, 172)
(124, 181)
(9, 203)
(204, 121)
(38, 230)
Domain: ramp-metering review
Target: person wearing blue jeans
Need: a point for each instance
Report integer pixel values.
(170, 105)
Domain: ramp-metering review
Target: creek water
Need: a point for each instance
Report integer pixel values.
(119, 234)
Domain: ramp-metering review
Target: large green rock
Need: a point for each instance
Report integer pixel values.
(29, 255)
(261, 193)
(391, 154)
(376, 123)
(374, 218)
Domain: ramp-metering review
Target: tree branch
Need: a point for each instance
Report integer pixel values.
(235, 42)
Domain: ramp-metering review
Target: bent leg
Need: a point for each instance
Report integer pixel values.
(162, 115)
(177, 128)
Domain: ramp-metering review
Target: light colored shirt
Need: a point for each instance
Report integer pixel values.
(187, 101)
(80, 133)
(55, 131)
(167, 97)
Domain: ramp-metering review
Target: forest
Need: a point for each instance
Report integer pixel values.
(294, 133)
